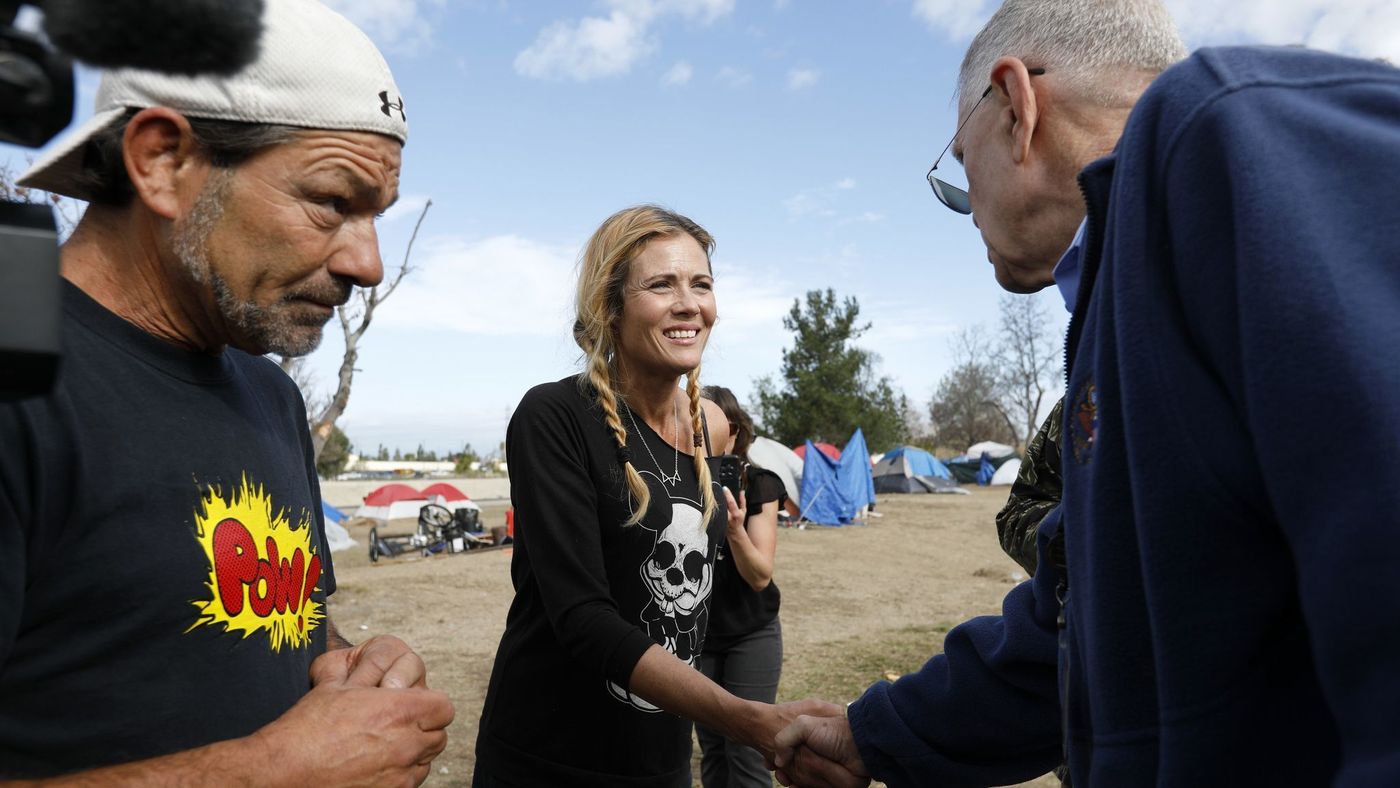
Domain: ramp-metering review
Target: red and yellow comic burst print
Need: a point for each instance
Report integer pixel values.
(262, 570)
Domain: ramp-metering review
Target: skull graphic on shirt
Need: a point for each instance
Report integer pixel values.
(679, 576)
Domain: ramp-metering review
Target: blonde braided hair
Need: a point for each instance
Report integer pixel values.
(702, 468)
(603, 269)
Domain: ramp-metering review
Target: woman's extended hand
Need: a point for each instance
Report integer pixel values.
(736, 513)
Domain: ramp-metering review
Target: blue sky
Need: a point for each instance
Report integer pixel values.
(798, 132)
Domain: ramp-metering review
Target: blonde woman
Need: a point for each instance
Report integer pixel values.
(617, 522)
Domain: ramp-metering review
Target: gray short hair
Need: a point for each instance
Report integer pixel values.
(226, 144)
(1084, 38)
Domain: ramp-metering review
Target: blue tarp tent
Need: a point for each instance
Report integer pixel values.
(824, 499)
(337, 538)
(834, 491)
(853, 473)
(912, 470)
(919, 462)
(333, 515)
(986, 470)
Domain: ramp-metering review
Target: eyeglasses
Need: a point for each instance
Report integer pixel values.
(947, 193)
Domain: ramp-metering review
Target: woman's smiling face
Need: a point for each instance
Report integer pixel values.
(668, 308)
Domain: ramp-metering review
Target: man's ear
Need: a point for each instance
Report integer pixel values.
(162, 160)
(1012, 83)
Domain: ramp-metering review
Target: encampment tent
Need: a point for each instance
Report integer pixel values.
(447, 491)
(985, 470)
(853, 472)
(965, 468)
(394, 501)
(770, 455)
(909, 469)
(992, 449)
(1006, 474)
(337, 538)
(823, 498)
(333, 515)
(825, 448)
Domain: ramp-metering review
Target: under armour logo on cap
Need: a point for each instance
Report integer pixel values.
(387, 105)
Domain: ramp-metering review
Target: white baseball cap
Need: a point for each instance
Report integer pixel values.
(314, 70)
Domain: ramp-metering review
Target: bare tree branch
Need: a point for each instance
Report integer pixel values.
(1026, 360)
(353, 324)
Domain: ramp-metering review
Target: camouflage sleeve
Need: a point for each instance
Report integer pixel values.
(1037, 490)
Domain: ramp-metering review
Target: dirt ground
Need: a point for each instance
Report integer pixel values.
(859, 603)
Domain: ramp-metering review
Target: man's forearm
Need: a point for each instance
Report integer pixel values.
(236, 762)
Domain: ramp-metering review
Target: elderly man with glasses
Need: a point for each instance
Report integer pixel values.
(1218, 608)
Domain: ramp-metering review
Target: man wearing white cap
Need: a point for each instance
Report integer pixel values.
(163, 572)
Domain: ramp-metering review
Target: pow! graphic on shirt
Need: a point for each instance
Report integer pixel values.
(262, 568)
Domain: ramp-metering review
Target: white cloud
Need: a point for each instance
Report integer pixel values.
(865, 217)
(957, 19)
(392, 24)
(461, 285)
(734, 77)
(748, 339)
(748, 298)
(706, 11)
(596, 46)
(824, 202)
(679, 74)
(799, 78)
(1365, 28)
(408, 205)
(818, 202)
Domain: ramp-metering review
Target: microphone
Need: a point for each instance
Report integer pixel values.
(172, 36)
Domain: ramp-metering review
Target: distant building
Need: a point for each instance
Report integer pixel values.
(358, 464)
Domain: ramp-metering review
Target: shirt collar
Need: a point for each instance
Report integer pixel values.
(1066, 271)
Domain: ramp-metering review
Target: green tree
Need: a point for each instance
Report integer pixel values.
(334, 455)
(828, 386)
(383, 453)
(465, 461)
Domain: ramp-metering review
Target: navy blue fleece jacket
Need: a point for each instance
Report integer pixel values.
(1232, 613)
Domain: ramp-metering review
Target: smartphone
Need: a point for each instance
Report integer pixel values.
(731, 474)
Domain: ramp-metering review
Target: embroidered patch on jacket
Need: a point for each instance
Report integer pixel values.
(263, 568)
(1084, 421)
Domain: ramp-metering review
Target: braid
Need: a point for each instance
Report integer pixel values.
(601, 377)
(702, 468)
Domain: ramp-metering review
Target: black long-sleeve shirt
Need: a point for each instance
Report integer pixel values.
(591, 595)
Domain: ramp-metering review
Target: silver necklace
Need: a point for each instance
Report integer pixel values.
(675, 477)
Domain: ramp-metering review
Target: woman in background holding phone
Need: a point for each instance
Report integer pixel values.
(744, 649)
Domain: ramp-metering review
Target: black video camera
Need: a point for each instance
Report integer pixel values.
(36, 103)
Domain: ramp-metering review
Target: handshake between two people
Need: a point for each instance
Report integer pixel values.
(816, 748)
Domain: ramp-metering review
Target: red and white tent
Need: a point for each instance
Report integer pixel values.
(398, 500)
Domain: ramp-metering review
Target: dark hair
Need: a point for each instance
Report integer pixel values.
(226, 143)
(727, 402)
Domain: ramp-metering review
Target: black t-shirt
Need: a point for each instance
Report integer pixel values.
(737, 609)
(141, 610)
(591, 595)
